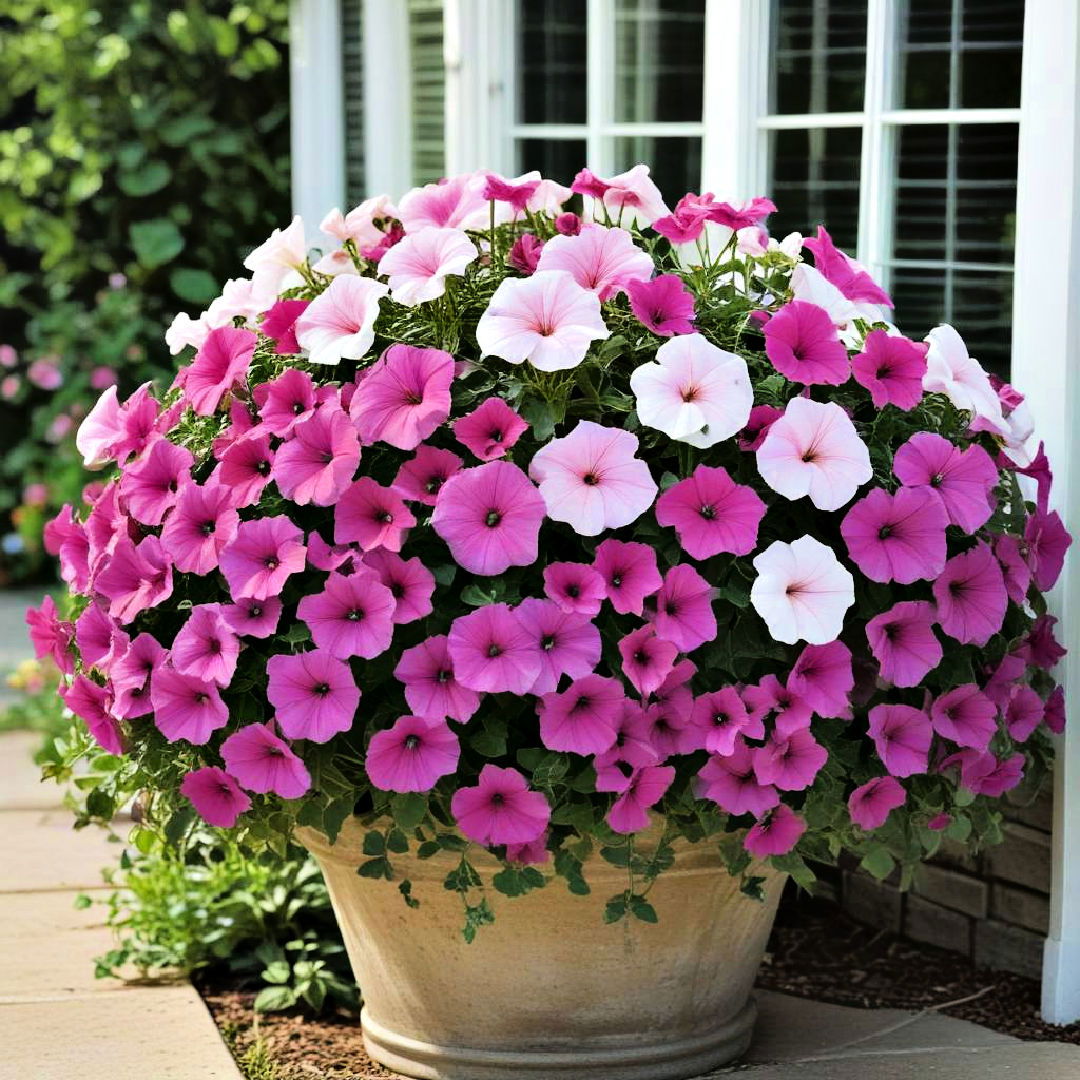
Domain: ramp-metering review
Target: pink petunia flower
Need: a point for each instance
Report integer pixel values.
(1041, 648)
(135, 577)
(262, 762)
(631, 198)
(130, 676)
(583, 718)
(647, 660)
(50, 635)
(729, 780)
(591, 479)
(966, 716)
(762, 417)
(631, 750)
(205, 646)
(421, 477)
(66, 538)
(1024, 713)
(372, 516)
(668, 729)
(524, 253)
(313, 694)
(286, 401)
(262, 557)
(903, 642)
(962, 480)
(219, 365)
(500, 809)
(1054, 710)
(664, 304)
(629, 572)
(410, 582)
(547, 319)
(1047, 541)
(802, 343)
(246, 467)
(317, 463)
(843, 271)
(454, 202)
(790, 762)
(93, 705)
(892, 368)
(568, 224)
(252, 618)
(566, 643)
(711, 513)
(149, 485)
(604, 261)
(202, 524)
(575, 587)
(693, 391)
(412, 755)
(684, 614)
(822, 678)
(498, 189)
(404, 397)
(985, 774)
(280, 324)
(490, 518)
(98, 637)
(352, 616)
(901, 736)
(952, 372)
(648, 785)
(801, 591)
(971, 597)
(720, 718)
(770, 699)
(776, 833)
(870, 804)
(490, 429)
(898, 537)
(813, 449)
(185, 706)
(492, 651)
(418, 266)
(339, 324)
(431, 688)
(216, 796)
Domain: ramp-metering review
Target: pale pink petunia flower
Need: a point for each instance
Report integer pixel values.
(776, 833)
(418, 266)
(547, 319)
(340, 322)
(456, 202)
(410, 582)
(901, 736)
(814, 450)
(592, 480)
(575, 587)
(261, 762)
(584, 717)
(185, 706)
(262, 557)
(352, 616)
(500, 809)
(601, 260)
(412, 755)
(430, 686)
(219, 365)
(205, 646)
(647, 786)
(490, 429)
(729, 781)
(961, 479)
(421, 477)
(647, 660)
(971, 597)
(372, 516)
(316, 464)
(100, 431)
(277, 258)
(629, 572)
(711, 513)
(493, 652)
(952, 372)
(216, 796)
(566, 643)
(801, 591)
(313, 694)
(870, 804)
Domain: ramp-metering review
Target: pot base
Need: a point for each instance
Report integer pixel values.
(656, 1061)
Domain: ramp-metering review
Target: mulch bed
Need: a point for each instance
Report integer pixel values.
(816, 951)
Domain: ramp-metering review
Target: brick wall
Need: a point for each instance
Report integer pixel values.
(993, 906)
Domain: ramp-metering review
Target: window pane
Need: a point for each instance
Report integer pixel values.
(675, 162)
(551, 61)
(428, 90)
(818, 56)
(815, 181)
(659, 60)
(557, 159)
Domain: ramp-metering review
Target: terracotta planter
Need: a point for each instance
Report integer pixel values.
(549, 990)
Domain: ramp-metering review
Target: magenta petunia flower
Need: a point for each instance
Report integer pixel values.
(185, 706)
(316, 464)
(776, 833)
(262, 762)
(898, 537)
(313, 693)
(421, 477)
(720, 717)
(372, 516)
(604, 261)
(566, 643)
(647, 660)
(729, 781)
(149, 485)
(262, 557)
(901, 737)
(93, 705)
(684, 613)
(629, 572)
(66, 538)
(1011, 554)
(498, 189)
(648, 785)
(50, 635)
(575, 587)
(1024, 712)
(286, 401)
(668, 729)
(417, 267)
(500, 809)
(252, 618)
(711, 513)
(971, 597)
(844, 272)
(410, 582)
(216, 796)
(814, 450)
(219, 365)
(770, 699)
(664, 304)
(762, 417)
(892, 368)
(130, 676)
(279, 323)
(412, 755)
(490, 429)
(631, 750)
(871, 804)
(97, 636)
(205, 646)
(1041, 648)
(966, 716)
(903, 642)
(324, 556)
(802, 343)
(492, 651)
(592, 480)
(1047, 541)
(790, 762)
(985, 774)
(202, 524)
(822, 678)
(524, 253)
(1003, 678)
(352, 616)
(490, 518)
(962, 479)
(246, 466)
(431, 688)
(135, 577)
(1054, 710)
(582, 719)
(404, 396)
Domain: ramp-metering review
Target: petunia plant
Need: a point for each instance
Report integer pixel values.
(510, 525)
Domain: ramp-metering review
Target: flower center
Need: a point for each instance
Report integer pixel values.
(443, 676)
(616, 580)
(355, 615)
(937, 480)
(495, 436)
(591, 479)
(213, 646)
(884, 532)
(412, 742)
(492, 518)
(322, 689)
(641, 658)
(547, 642)
(494, 650)
(707, 511)
(413, 398)
(298, 408)
(271, 562)
(573, 590)
(433, 485)
(263, 468)
(201, 698)
(397, 590)
(207, 527)
(690, 394)
(719, 719)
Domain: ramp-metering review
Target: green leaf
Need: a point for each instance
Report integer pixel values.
(195, 286)
(275, 998)
(376, 868)
(615, 909)
(374, 843)
(642, 909)
(405, 888)
(278, 972)
(409, 809)
(474, 596)
(184, 128)
(878, 862)
(146, 180)
(617, 856)
(156, 242)
(397, 842)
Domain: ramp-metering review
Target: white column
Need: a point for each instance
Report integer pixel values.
(387, 98)
(1046, 367)
(317, 111)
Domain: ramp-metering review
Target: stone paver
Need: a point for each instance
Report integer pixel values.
(21, 787)
(41, 852)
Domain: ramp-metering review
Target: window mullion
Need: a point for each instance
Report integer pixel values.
(600, 51)
(875, 182)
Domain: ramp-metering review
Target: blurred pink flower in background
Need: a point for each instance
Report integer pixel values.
(101, 378)
(45, 375)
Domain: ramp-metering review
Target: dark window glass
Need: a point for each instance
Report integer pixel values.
(551, 61)
(557, 159)
(675, 161)
(818, 56)
(659, 60)
(815, 181)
